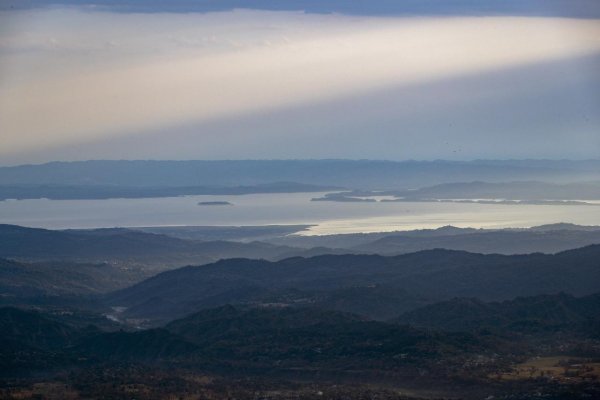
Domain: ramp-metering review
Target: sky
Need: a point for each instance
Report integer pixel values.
(394, 80)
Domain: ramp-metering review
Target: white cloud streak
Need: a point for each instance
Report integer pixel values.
(68, 76)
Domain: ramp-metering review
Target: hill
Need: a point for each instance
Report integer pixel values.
(522, 190)
(542, 313)
(275, 350)
(124, 246)
(233, 339)
(432, 275)
(506, 241)
(100, 192)
(28, 280)
(31, 341)
(302, 338)
(34, 329)
(551, 238)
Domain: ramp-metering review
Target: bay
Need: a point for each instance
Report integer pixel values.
(286, 208)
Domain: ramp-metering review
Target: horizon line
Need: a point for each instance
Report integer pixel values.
(410, 160)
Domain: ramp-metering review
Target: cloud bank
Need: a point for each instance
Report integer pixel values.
(70, 77)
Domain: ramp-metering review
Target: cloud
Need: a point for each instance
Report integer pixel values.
(70, 76)
(547, 110)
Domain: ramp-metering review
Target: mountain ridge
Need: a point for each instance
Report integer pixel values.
(434, 275)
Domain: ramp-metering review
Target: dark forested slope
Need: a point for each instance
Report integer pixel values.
(432, 275)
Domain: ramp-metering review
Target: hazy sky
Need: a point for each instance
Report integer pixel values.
(81, 82)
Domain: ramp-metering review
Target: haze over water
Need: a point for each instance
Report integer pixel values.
(286, 208)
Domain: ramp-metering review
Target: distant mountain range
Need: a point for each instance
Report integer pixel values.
(124, 246)
(356, 174)
(231, 233)
(37, 263)
(176, 246)
(522, 190)
(100, 192)
(550, 238)
(504, 241)
(426, 276)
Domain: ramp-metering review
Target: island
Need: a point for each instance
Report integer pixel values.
(215, 203)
